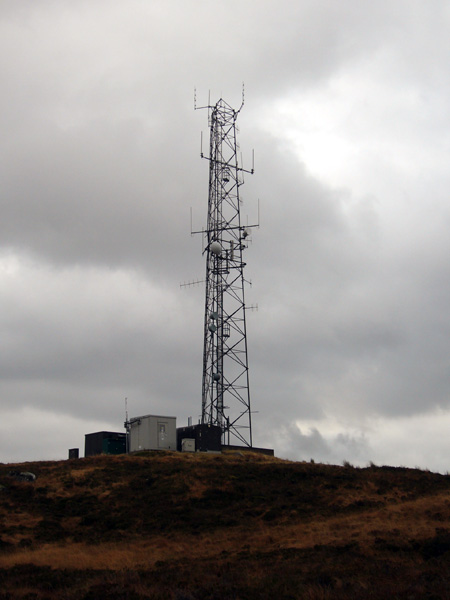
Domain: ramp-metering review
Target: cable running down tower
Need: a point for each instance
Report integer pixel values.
(225, 385)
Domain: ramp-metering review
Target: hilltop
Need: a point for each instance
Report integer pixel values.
(239, 526)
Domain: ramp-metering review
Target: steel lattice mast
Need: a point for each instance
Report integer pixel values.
(225, 386)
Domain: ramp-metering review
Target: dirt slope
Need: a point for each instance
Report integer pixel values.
(238, 526)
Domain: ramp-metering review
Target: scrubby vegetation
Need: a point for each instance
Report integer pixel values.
(236, 526)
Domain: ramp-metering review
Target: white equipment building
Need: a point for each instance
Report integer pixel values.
(152, 432)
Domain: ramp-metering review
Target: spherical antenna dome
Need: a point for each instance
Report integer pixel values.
(216, 248)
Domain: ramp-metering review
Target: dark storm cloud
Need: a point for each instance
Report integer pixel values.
(99, 194)
(66, 328)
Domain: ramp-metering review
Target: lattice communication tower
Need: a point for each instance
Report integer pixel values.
(225, 385)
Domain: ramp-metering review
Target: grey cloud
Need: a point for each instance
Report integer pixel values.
(313, 445)
(99, 166)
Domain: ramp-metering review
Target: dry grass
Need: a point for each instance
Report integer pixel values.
(413, 520)
(251, 526)
(77, 556)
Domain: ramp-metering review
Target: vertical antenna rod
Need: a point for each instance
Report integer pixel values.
(127, 428)
(225, 384)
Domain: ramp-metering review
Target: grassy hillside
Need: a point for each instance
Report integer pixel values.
(236, 526)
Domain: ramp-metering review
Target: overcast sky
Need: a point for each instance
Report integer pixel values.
(347, 108)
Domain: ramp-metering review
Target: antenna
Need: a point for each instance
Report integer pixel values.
(192, 283)
(209, 105)
(127, 428)
(225, 381)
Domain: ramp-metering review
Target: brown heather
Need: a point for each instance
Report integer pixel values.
(238, 526)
